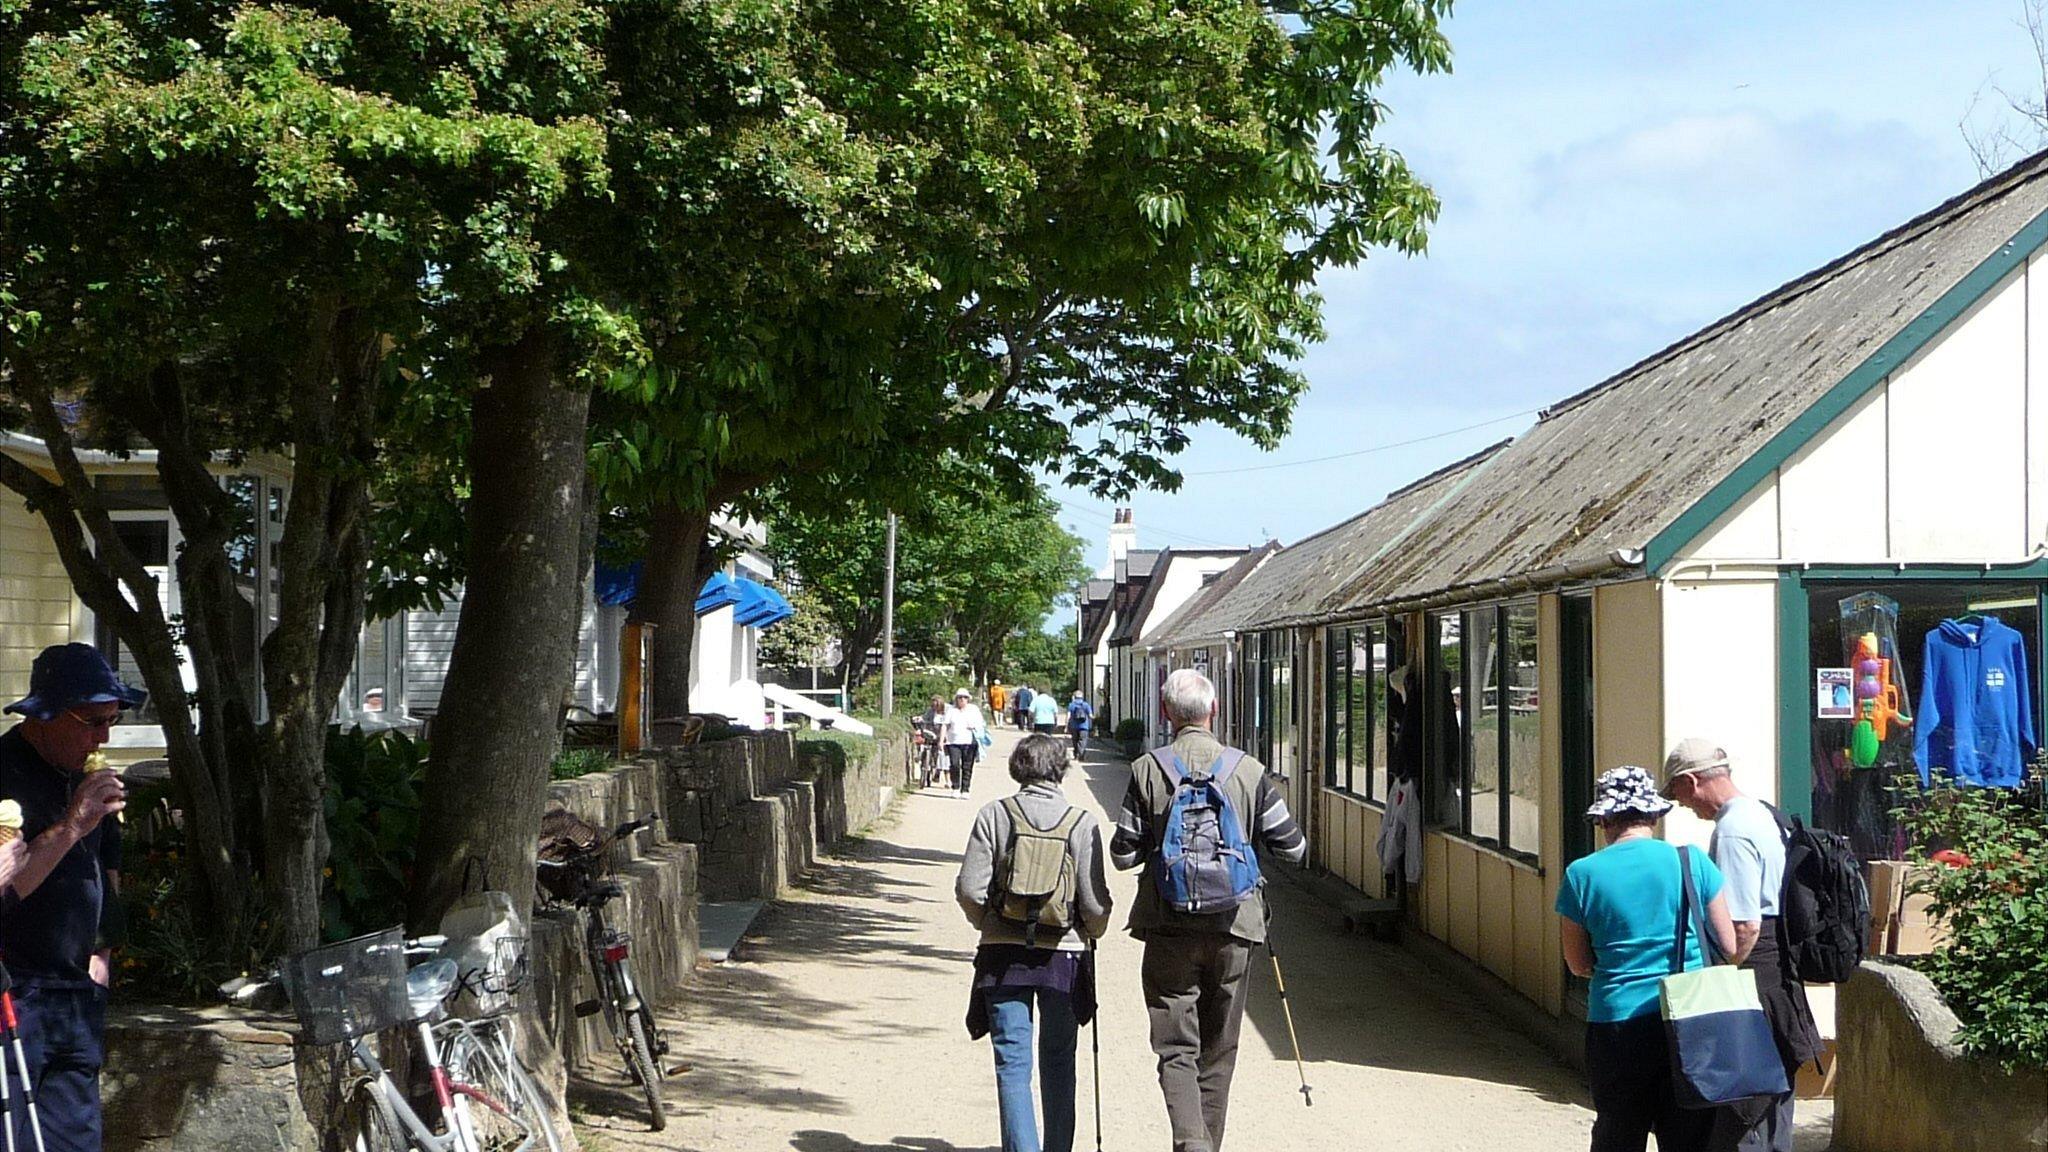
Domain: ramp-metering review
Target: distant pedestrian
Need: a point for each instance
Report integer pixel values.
(1045, 714)
(1196, 963)
(1621, 929)
(964, 728)
(1021, 707)
(1032, 880)
(1749, 848)
(998, 699)
(1080, 718)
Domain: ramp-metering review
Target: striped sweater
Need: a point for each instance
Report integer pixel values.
(1254, 796)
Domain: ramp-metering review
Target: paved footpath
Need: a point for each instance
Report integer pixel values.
(837, 1027)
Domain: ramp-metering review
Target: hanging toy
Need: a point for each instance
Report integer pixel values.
(1877, 703)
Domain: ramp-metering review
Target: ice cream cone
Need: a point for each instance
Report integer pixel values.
(10, 821)
(96, 761)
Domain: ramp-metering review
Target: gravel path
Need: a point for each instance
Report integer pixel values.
(837, 1027)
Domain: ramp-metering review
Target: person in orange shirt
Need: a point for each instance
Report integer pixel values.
(997, 697)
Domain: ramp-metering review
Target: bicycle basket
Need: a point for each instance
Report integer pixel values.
(354, 988)
(487, 941)
(566, 838)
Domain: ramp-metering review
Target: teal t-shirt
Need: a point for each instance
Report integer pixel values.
(1626, 896)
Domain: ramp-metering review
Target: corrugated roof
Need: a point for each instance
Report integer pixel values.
(1302, 575)
(1610, 468)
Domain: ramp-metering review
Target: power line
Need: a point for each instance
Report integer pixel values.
(1365, 451)
(1107, 515)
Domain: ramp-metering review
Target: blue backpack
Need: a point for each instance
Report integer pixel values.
(1202, 863)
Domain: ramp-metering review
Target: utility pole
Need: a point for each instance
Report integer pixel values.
(889, 623)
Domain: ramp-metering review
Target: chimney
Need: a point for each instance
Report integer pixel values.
(1123, 536)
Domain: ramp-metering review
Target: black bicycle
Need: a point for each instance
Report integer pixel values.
(571, 872)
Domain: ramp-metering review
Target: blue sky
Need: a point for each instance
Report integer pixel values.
(1614, 176)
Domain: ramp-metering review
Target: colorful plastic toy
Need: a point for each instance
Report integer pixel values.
(1877, 703)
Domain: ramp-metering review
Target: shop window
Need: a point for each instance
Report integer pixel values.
(1337, 760)
(1388, 646)
(1358, 705)
(1869, 683)
(1522, 756)
(1481, 696)
(1445, 742)
(1575, 720)
(148, 537)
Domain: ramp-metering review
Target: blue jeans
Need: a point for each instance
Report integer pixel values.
(1009, 1017)
(62, 1031)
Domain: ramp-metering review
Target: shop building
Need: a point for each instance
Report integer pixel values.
(1174, 577)
(1695, 546)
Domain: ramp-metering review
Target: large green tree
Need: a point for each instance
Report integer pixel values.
(975, 558)
(1108, 227)
(224, 230)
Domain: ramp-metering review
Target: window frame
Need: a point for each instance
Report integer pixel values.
(1458, 821)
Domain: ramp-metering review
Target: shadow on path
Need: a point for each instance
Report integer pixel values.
(812, 1140)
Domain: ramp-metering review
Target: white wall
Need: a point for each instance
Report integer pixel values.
(1721, 680)
(1947, 460)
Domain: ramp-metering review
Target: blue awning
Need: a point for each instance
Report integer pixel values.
(760, 606)
(718, 591)
(754, 605)
(616, 585)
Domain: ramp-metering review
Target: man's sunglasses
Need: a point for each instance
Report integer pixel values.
(94, 721)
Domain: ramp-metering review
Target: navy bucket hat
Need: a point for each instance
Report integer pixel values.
(66, 675)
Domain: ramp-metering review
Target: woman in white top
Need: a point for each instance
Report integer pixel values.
(963, 728)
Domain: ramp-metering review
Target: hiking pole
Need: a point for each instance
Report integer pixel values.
(10, 1031)
(1094, 1046)
(1287, 1010)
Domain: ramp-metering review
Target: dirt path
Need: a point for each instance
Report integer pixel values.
(838, 1028)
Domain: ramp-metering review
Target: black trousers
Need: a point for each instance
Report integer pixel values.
(962, 756)
(1628, 1067)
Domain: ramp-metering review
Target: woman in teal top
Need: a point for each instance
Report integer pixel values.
(1620, 907)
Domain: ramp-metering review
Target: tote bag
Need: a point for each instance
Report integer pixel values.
(1720, 1041)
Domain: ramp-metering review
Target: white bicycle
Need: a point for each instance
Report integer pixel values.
(483, 1099)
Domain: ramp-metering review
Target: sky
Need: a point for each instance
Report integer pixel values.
(1615, 174)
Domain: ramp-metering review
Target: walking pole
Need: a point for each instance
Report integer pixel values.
(1287, 1010)
(1094, 1046)
(10, 1027)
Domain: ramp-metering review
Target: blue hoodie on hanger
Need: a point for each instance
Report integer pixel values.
(1976, 708)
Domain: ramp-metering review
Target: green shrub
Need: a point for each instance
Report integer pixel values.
(1130, 729)
(570, 763)
(373, 826)
(1993, 969)
(915, 688)
(169, 956)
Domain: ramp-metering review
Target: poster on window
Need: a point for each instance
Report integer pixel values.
(1834, 690)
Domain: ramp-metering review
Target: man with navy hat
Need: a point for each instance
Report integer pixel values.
(59, 917)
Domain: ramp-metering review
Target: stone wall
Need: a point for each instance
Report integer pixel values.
(1904, 1085)
(742, 818)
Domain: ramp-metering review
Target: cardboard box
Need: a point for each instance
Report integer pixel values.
(1917, 932)
(1816, 1079)
(1887, 881)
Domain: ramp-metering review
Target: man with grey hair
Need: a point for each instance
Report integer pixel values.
(1749, 848)
(1196, 963)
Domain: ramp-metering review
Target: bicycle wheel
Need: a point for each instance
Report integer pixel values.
(490, 1105)
(368, 1114)
(529, 1091)
(639, 1051)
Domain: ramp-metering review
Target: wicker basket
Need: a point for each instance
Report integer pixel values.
(351, 989)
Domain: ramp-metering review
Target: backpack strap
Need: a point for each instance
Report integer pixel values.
(1068, 822)
(1169, 762)
(1226, 764)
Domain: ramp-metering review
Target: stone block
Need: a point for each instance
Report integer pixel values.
(177, 1079)
(1903, 1084)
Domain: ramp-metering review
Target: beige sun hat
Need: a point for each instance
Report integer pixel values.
(1692, 756)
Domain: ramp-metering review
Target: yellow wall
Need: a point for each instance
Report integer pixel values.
(1628, 679)
(35, 596)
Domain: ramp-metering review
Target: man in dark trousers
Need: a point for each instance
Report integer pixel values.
(1749, 849)
(60, 916)
(1196, 964)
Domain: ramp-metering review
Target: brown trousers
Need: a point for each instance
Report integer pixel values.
(1194, 996)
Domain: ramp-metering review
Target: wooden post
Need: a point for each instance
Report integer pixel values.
(633, 686)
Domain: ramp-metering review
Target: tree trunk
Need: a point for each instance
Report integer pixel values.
(496, 729)
(853, 650)
(678, 562)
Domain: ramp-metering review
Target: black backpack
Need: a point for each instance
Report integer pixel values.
(1824, 911)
